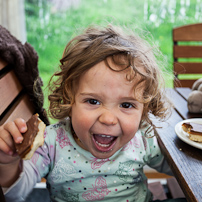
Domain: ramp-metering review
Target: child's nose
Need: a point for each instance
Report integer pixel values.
(108, 118)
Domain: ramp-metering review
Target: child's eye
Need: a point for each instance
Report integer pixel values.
(127, 105)
(93, 101)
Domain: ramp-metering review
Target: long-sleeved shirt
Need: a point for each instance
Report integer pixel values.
(74, 174)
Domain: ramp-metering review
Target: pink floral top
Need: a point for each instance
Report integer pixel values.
(73, 174)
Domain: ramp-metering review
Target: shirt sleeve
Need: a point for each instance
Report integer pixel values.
(32, 172)
(24, 185)
(154, 157)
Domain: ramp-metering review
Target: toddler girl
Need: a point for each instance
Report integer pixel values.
(108, 85)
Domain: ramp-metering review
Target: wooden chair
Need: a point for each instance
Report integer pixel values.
(14, 101)
(187, 54)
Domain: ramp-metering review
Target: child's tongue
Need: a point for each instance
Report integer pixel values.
(104, 139)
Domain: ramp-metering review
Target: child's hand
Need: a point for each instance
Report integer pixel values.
(10, 133)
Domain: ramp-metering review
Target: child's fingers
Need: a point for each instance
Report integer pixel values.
(8, 139)
(10, 133)
(14, 129)
(21, 124)
(4, 146)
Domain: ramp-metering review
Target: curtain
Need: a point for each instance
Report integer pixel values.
(12, 17)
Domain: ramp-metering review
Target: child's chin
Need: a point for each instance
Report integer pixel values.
(103, 155)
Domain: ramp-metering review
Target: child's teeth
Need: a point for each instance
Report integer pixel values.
(102, 145)
(105, 136)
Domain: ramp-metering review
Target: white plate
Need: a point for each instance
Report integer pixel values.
(183, 137)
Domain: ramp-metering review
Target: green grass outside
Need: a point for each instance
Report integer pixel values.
(48, 32)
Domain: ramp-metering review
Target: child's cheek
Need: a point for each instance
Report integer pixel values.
(81, 122)
(131, 127)
(86, 123)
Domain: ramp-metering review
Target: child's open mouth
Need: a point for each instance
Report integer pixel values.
(104, 143)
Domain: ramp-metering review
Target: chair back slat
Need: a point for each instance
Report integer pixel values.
(14, 101)
(9, 90)
(187, 54)
(2, 64)
(22, 107)
(184, 83)
(187, 51)
(188, 67)
(190, 32)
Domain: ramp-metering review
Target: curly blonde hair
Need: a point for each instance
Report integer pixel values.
(97, 44)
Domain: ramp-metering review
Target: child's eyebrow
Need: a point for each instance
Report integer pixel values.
(87, 94)
(90, 94)
(125, 98)
(129, 98)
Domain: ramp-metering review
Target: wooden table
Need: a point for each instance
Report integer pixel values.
(184, 160)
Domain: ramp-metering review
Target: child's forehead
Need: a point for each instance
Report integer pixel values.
(121, 62)
(112, 74)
